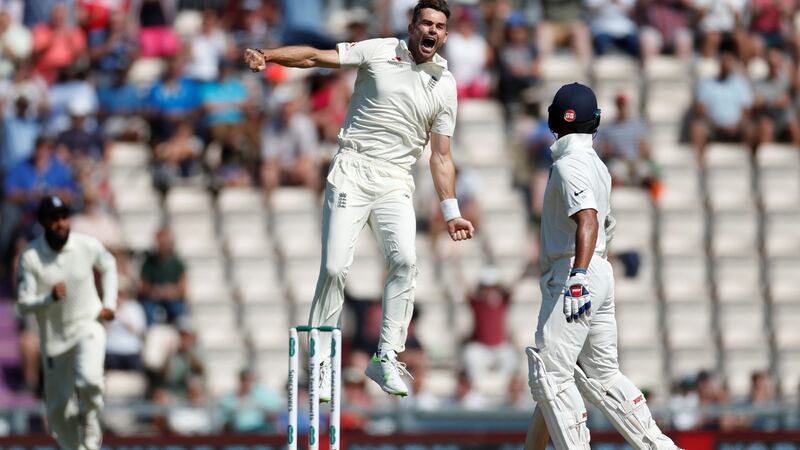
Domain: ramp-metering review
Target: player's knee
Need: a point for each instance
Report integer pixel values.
(403, 262)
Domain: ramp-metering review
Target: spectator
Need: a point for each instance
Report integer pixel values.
(96, 221)
(763, 403)
(16, 44)
(27, 83)
(191, 416)
(538, 159)
(720, 20)
(157, 39)
(251, 409)
(712, 397)
(177, 157)
(625, 147)
(20, 128)
(163, 276)
(684, 405)
(770, 22)
(173, 100)
(72, 86)
(467, 397)
(207, 49)
(184, 363)
(112, 48)
(666, 28)
(423, 398)
(518, 64)
(611, 23)
(468, 56)
(722, 107)
(289, 144)
(772, 105)
(562, 24)
(76, 142)
(121, 106)
(125, 334)
(57, 44)
(488, 349)
(224, 100)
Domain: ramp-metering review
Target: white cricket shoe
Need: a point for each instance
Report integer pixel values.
(325, 381)
(387, 372)
(91, 433)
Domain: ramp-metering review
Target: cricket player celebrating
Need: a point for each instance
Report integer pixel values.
(55, 281)
(404, 96)
(576, 320)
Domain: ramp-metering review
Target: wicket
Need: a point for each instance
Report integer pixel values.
(314, 360)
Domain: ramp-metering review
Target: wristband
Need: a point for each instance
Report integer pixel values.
(450, 209)
(577, 270)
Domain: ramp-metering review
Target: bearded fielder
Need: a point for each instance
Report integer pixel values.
(404, 96)
(55, 282)
(576, 319)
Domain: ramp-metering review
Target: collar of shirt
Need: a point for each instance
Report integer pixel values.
(571, 143)
(67, 246)
(438, 60)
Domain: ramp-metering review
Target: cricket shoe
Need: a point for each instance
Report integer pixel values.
(325, 381)
(91, 433)
(387, 371)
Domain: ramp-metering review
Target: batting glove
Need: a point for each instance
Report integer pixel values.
(576, 295)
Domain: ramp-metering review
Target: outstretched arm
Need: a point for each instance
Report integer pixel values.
(443, 171)
(293, 56)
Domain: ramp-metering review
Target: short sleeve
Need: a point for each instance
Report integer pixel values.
(354, 54)
(575, 189)
(445, 121)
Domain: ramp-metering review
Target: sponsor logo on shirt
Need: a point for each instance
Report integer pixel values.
(578, 193)
(638, 399)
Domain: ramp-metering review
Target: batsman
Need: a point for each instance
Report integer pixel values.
(404, 97)
(576, 319)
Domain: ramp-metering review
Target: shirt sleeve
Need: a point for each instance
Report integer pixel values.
(105, 263)
(575, 189)
(445, 121)
(28, 301)
(354, 54)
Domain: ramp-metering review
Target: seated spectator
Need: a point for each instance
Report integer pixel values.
(711, 396)
(684, 405)
(184, 363)
(468, 56)
(177, 157)
(722, 107)
(121, 106)
(97, 221)
(518, 64)
(125, 334)
(163, 277)
(467, 188)
(770, 23)
(77, 142)
(172, 100)
(538, 159)
(207, 49)
(762, 404)
(423, 399)
(223, 101)
(467, 397)
(253, 408)
(15, 44)
(112, 48)
(488, 349)
(191, 416)
(562, 24)
(666, 29)
(20, 127)
(72, 85)
(772, 104)
(625, 147)
(57, 44)
(289, 144)
(157, 39)
(611, 23)
(721, 20)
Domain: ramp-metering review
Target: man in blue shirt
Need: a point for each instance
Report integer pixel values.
(174, 99)
(18, 133)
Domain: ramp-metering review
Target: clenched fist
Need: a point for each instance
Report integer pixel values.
(255, 59)
(59, 291)
(460, 229)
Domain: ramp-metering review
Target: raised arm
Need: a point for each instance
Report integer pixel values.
(443, 171)
(293, 56)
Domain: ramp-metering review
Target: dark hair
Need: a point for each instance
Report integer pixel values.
(438, 5)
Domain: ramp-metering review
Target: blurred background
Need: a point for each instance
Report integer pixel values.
(204, 178)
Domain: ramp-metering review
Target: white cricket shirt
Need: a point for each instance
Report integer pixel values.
(396, 103)
(578, 180)
(62, 323)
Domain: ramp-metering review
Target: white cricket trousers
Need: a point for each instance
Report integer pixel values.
(363, 190)
(79, 371)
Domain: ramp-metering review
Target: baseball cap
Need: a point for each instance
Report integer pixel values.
(574, 109)
(52, 205)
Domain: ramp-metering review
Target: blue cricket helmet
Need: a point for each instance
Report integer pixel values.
(574, 110)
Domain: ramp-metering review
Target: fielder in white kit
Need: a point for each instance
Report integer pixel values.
(404, 96)
(55, 281)
(576, 319)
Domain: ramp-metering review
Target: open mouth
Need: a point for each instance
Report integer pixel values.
(428, 44)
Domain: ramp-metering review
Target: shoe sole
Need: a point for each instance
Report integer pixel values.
(377, 379)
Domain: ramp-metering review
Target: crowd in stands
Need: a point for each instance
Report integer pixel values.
(77, 76)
